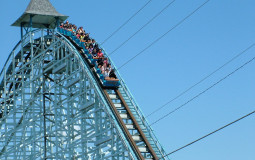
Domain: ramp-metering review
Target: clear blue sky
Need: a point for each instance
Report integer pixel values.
(205, 41)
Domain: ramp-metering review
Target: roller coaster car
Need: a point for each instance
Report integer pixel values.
(105, 83)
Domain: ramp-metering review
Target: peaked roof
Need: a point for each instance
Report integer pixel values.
(43, 7)
(44, 15)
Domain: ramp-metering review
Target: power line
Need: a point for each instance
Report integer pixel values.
(142, 27)
(203, 79)
(157, 40)
(203, 92)
(113, 33)
(208, 134)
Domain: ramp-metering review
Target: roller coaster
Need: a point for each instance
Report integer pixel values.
(55, 103)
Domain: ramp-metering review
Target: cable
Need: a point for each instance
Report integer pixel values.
(157, 40)
(208, 134)
(126, 22)
(142, 27)
(203, 92)
(203, 79)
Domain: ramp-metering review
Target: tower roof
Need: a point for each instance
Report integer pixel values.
(44, 15)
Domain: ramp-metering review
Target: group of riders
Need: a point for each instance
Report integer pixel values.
(93, 48)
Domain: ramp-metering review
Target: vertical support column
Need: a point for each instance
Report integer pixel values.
(112, 142)
(21, 31)
(42, 40)
(14, 99)
(100, 126)
(31, 36)
(23, 96)
(23, 107)
(57, 120)
(22, 90)
(83, 135)
(5, 111)
(44, 120)
(22, 52)
(32, 83)
(83, 120)
(97, 127)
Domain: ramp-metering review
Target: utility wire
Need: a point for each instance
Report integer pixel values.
(169, 4)
(113, 33)
(204, 91)
(208, 134)
(203, 79)
(157, 40)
